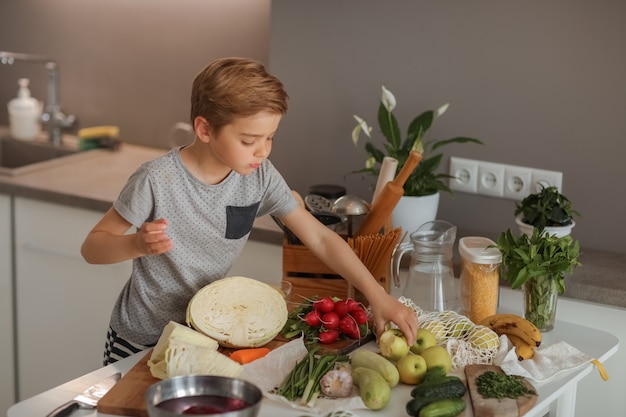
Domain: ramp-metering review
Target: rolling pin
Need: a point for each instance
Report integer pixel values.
(386, 174)
(388, 198)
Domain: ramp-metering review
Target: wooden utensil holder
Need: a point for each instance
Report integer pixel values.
(310, 277)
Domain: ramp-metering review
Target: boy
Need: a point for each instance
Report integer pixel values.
(194, 207)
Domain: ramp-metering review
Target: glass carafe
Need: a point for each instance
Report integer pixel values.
(430, 281)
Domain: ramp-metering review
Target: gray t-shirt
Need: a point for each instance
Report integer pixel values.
(208, 224)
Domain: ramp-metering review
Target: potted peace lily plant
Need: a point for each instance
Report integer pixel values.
(547, 210)
(425, 183)
(538, 263)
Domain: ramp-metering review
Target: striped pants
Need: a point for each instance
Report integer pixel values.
(117, 348)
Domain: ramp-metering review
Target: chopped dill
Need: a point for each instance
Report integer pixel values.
(498, 385)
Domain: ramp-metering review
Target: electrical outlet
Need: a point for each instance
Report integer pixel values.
(517, 182)
(490, 179)
(542, 178)
(499, 180)
(465, 173)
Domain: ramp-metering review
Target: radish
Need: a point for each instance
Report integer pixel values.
(352, 304)
(349, 327)
(328, 336)
(359, 315)
(324, 305)
(342, 307)
(313, 318)
(330, 320)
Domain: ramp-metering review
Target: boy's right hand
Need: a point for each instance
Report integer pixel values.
(152, 239)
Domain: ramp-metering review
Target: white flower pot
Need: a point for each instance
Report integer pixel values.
(411, 212)
(559, 231)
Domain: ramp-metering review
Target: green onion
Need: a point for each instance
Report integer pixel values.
(304, 379)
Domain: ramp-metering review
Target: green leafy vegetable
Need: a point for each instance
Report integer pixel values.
(541, 255)
(547, 208)
(498, 385)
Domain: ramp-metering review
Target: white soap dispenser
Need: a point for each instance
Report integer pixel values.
(24, 113)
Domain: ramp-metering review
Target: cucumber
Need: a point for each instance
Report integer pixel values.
(374, 390)
(423, 386)
(449, 407)
(434, 374)
(451, 387)
(368, 359)
(414, 405)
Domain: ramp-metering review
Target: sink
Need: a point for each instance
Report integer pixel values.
(18, 157)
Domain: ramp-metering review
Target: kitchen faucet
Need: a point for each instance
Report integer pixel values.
(54, 119)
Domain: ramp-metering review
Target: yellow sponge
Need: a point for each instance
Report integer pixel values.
(99, 132)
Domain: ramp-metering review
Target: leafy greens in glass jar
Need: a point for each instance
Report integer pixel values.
(539, 264)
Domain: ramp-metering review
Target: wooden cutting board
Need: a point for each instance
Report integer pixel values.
(492, 407)
(126, 398)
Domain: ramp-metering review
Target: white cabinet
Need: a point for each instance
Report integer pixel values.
(63, 304)
(7, 389)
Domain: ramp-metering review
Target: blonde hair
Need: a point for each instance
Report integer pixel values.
(228, 88)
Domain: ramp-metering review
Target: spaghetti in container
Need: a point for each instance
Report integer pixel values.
(480, 277)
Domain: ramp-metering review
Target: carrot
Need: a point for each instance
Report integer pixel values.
(244, 356)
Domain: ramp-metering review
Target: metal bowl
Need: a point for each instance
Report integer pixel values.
(203, 395)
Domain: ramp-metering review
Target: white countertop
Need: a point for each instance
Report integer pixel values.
(558, 391)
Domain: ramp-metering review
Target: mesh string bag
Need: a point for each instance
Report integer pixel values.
(466, 342)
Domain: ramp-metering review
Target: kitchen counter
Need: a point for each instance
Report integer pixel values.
(557, 395)
(94, 179)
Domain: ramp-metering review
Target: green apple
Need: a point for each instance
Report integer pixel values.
(482, 337)
(437, 356)
(393, 345)
(460, 329)
(412, 369)
(424, 339)
(436, 327)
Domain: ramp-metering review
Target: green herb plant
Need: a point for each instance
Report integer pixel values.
(529, 259)
(540, 255)
(546, 208)
(425, 180)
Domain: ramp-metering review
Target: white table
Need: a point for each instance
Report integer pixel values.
(558, 396)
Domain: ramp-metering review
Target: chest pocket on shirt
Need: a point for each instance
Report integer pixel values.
(239, 220)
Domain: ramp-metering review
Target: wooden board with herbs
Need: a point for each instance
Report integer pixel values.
(500, 407)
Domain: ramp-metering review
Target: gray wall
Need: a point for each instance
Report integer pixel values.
(128, 63)
(540, 82)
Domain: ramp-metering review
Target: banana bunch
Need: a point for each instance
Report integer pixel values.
(523, 334)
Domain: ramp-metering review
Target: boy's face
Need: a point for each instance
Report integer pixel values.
(246, 142)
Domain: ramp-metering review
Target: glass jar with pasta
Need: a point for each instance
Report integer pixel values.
(480, 277)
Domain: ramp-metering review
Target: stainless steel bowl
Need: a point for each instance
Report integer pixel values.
(203, 395)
